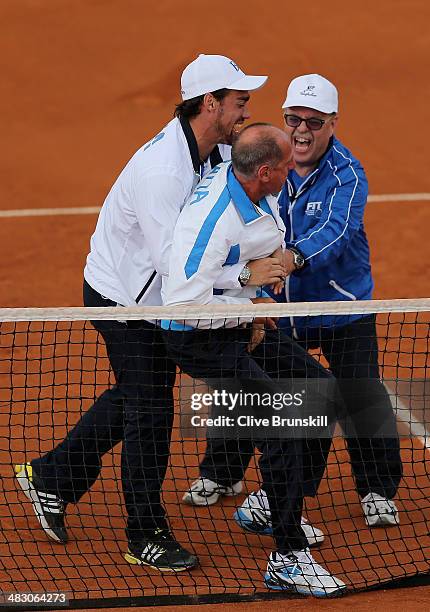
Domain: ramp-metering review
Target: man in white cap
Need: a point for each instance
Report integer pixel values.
(327, 259)
(323, 206)
(129, 254)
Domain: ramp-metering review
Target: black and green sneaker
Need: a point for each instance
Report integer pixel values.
(161, 551)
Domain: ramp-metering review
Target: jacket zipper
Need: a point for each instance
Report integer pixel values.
(146, 287)
(342, 291)
(294, 197)
(287, 297)
(287, 280)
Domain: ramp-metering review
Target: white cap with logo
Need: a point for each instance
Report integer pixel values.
(312, 91)
(209, 73)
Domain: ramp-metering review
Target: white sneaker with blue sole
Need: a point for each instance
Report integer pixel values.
(254, 516)
(300, 573)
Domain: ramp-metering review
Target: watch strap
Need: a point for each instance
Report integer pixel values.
(298, 254)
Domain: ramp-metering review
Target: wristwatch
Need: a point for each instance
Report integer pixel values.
(298, 259)
(244, 276)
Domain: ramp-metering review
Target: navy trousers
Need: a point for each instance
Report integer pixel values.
(137, 411)
(352, 355)
(222, 354)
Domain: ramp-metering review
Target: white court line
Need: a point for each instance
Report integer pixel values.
(400, 197)
(48, 212)
(404, 414)
(94, 210)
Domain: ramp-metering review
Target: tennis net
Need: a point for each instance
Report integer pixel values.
(53, 365)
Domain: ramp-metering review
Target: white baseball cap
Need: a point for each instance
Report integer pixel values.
(312, 91)
(212, 72)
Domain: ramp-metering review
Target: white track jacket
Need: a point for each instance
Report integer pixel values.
(131, 243)
(218, 227)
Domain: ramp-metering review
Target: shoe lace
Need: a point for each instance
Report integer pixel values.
(287, 560)
(165, 537)
(309, 566)
(260, 518)
(386, 505)
(259, 499)
(205, 487)
(380, 505)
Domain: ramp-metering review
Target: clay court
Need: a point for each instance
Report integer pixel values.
(87, 82)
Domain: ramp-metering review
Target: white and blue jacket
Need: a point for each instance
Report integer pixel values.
(324, 220)
(218, 227)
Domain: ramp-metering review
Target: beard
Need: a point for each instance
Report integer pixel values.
(224, 136)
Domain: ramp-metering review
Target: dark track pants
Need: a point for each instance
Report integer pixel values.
(138, 411)
(222, 354)
(352, 354)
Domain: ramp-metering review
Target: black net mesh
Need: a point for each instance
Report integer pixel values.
(51, 374)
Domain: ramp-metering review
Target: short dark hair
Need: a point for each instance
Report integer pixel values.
(191, 108)
(248, 156)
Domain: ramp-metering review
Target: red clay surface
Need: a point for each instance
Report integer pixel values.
(84, 84)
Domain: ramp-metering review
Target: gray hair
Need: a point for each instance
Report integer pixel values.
(248, 154)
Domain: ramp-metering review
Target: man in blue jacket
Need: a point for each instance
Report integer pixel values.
(327, 258)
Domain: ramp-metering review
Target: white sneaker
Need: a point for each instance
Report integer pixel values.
(379, 511)
(299, 572)
(254, 516)
(205, 492)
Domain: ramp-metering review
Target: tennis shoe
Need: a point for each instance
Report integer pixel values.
(206, 492)
(254, 516)
(162, 552)
(48, 508)
(300, 573)
(379, 511)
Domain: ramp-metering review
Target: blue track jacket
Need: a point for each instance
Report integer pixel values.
(324, 220)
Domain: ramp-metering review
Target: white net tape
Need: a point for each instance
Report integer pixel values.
(207, 312)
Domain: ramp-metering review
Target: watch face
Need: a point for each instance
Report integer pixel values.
(299, 260)
(245, 275)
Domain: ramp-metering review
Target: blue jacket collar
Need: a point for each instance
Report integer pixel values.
(310, 180)
(243, 204)
(328, 152)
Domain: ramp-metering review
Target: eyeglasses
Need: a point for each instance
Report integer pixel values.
(313, 123)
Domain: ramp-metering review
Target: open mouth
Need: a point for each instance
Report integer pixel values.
(236, 128)
(235, 131)
(301, 144)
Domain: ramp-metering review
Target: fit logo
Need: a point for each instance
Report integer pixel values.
(309, 91)
(313, 209)
(235, 66)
